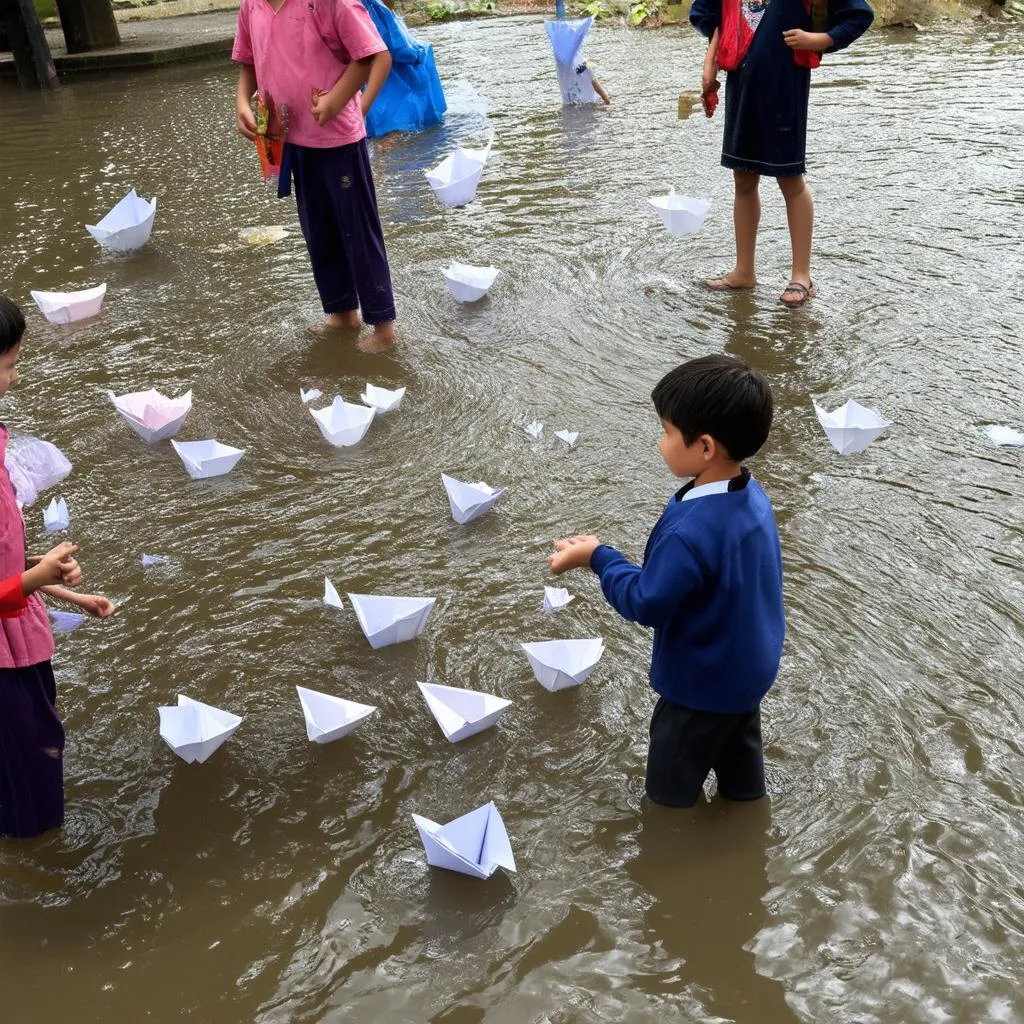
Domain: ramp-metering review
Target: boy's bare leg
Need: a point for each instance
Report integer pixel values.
(746, 215)
(800, 215)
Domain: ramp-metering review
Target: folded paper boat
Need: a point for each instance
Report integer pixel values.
(468, 283)
(681, 214)
(475, 844)
(148, 560)
(331, 596)
(382, 399)
(204, 459)
(194, 730)
(65, 622)
(1000, 435)
(67, 307)
(310, 396)
(127, 226)
(56, 516)
(469, 501)
(534, 429)
(566, 36)
(560, 664)
(391, 620)
(569, 437)
(152, 415)
(556, 598)
(851, 427)
(329, 718)
(462, 713)
(455, 179)
(342, 423)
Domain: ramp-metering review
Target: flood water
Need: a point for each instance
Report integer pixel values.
(284, 881)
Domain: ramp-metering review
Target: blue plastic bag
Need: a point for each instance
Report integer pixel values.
(411, 98)
(567, 37)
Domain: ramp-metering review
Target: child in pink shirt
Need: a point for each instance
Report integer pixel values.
(311, 58)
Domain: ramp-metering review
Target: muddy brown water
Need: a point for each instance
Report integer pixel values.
(283, 881)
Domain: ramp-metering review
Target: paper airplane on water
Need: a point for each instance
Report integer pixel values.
(148, 560)
(475, 844)
(194, 730)
(343, 424)
(455, 178)
(569, 437)
(468, 283)
(329, 718)
(566, 36)
(382, 399)
(556, 598)
(127, 226)
(534, 429)
(153, 416)
(67, 307)
(559, 664)
(851, 427)
(310, 396)
(462, 713)
(331, 596)
(55, 516)
(65, 622)
(391, 620)
(1004, 435)
(204, 459)
(681, 214)
(469, 501)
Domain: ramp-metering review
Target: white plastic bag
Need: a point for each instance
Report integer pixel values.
(33, 465)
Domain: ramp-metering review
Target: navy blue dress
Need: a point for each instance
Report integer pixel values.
(766, 96)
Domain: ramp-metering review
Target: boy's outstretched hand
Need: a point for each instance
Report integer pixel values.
(572, 553)
(97, 605)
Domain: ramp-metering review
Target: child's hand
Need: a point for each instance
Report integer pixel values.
(56, 566)
(572, 553)
(798, 39)
(244, 121)
(325, 106)
(96, 605)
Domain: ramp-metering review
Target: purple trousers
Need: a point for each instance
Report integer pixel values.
(338, 212)
(31, 752)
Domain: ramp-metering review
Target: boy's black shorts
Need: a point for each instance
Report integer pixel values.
(687, 744)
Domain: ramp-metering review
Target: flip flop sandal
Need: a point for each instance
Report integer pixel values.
(722, 284)
(802, 290)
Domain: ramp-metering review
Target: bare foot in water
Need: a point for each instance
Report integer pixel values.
(348, 320)
(383, 338)
(731, 282)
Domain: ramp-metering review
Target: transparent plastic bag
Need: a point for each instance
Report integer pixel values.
(34, 465)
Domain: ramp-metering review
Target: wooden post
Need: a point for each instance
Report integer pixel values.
(24, 32)
(88, 24)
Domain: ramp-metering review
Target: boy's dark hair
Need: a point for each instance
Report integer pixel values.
(12, 324)
(717, 395)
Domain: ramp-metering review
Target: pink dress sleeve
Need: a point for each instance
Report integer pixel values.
(242, 50)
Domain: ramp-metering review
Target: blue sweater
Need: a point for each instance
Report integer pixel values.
(711, 586)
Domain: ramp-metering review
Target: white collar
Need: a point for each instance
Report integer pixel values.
(718, 487)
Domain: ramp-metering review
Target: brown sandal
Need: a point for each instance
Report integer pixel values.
(804, 292)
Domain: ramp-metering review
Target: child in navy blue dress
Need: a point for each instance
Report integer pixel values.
(768, 49)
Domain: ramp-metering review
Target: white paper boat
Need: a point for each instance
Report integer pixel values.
(56, 516)
(33, 466)
(153, 416)
(310, 396)
(391, 620)
(559, 664)
(462, 713)
(329, 718)
(343, 424)
(204, 459)
(475, 844)
(194, 730)
(556, 598)
(382, 399)
(681, 214)
(127, 226)
(67, 307)
(148, 560)
(566, 36)
(569, 437)
(64, 622)
(455, 178)
(851, 427)
(534, 429)
(469, 501)
(331, 596)
(1004, 435)
(468, 283)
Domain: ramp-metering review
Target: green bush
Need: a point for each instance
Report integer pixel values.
(46, 9)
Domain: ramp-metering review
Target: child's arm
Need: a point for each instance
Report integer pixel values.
(57, 565)
(380, 68)
(327, 105)
(94, 604)
(600, 90)
(244, 120)
(848, 20)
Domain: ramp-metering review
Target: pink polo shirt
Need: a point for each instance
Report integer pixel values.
(307, 44)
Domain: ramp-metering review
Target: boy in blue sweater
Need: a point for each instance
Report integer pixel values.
(710, 585)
